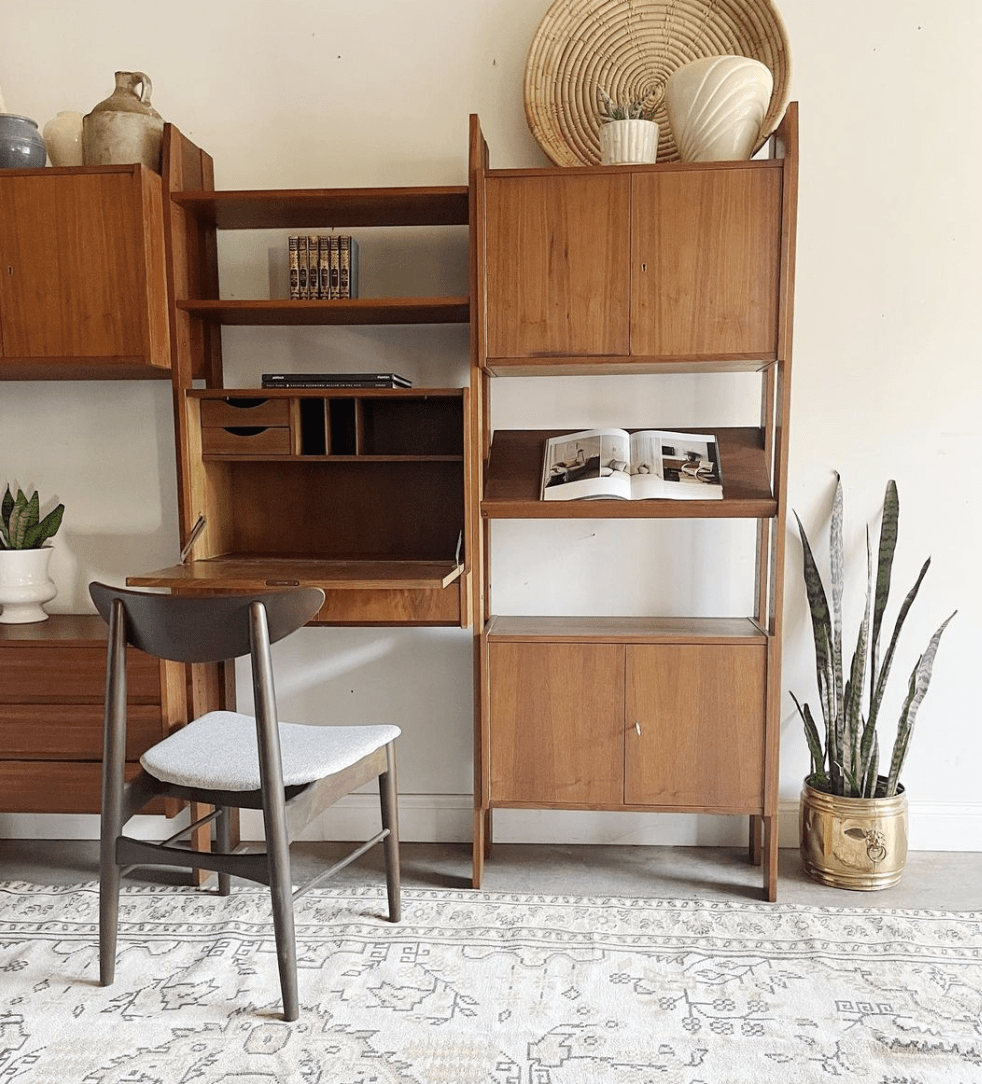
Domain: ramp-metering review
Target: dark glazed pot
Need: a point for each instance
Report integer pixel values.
(21, 145)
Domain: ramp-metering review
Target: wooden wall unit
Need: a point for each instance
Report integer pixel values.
(360, 492)
(83, 291)
(679, 268)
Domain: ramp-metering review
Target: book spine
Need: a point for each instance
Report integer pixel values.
(303, 269)
(293, 250)
(353, 270)
(324, 267)
(335, 268)
(313, 277)
(345, 262)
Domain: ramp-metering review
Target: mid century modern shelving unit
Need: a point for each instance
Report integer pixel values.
(393, 494)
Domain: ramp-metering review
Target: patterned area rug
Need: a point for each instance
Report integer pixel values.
(483, 987)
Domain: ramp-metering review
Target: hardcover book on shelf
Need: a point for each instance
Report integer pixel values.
(293, 249)
(323, 267)
(335, 380)
(314, 277)
(613, 464)
(348, 261)
(334, 268)
(303, 269)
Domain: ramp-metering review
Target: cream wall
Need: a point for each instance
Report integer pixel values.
(888, 340)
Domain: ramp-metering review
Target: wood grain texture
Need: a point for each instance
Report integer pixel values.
(558, 265)
(699, 711)
(83, 292)
(556, 732)
(706, 262)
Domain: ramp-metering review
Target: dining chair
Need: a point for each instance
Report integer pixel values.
(226, 759)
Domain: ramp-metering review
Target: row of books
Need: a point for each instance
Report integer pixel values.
(335, 380)
(323, 267)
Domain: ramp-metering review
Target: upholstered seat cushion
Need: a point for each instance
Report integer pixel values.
(218, 751)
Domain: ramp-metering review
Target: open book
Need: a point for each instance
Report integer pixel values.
(612, 464)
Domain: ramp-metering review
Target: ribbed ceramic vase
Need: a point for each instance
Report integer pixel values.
(716, 107)
(25, 585)
(624, 141)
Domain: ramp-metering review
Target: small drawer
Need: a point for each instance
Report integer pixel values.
(246, 440)
(232, 413)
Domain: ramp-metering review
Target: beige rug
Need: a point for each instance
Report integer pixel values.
(483, 987)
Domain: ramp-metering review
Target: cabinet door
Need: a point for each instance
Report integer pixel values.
(700, 712)
(558, 266)
(707, 252)
(73, 253)
(557, 731)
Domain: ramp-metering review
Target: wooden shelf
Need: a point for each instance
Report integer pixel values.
(514, 477)
(619, 365)
(327, 207)
(362, 310)
(624, 630)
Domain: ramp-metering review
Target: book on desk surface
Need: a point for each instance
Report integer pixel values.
(613, 464)
(335, 380)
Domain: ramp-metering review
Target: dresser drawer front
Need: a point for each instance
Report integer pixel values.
(71, 731)
(225, 413)
(56, 674)
(57, 787)
(245, 441)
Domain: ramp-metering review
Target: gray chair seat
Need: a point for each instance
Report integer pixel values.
(218, 752)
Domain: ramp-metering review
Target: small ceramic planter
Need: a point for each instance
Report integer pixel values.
(857, 843)
(626, 141)
(21, 145)
(24, 585)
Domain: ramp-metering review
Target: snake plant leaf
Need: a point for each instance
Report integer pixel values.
(889, 526)
(872, 777)
(24, 516)
(811, 737)
(877, 695)
(837, 574)
(6, 507)
(821, 618)
(37, 535)
(920, 678)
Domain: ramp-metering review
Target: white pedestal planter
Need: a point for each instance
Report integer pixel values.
(24, 585)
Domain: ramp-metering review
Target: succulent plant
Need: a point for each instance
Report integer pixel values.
(21, 526)
(846, 763)
(632, 110)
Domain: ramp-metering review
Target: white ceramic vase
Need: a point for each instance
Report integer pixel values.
(624, 141)
(25, 585)
(716, 106)
(63, 138)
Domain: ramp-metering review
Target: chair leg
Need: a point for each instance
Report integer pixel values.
(390, 819)
(223, 840)
(110, 877)
(281, 896)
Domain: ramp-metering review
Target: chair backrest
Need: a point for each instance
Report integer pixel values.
(207, 628)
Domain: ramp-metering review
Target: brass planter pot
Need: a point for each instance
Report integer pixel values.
(857, 843)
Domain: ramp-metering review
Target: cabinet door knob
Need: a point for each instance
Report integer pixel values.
(637, 727)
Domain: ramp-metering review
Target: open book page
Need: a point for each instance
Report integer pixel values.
(592, 464)
(679, 466)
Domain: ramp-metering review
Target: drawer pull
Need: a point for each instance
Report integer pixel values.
(282, 583)
(637, 727)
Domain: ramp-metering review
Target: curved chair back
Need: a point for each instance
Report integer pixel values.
(207, 628)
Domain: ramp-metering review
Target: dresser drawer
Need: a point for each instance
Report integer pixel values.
(72, 731)
(230, 413)
(55, 673)
(245, 441)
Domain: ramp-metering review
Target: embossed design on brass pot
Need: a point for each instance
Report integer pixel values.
(857, 843)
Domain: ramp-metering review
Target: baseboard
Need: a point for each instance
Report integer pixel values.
(448, 818)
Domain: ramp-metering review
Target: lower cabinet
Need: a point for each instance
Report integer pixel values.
(52, 689)
(661, 726)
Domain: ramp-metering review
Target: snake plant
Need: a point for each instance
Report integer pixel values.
(612, 110)
(21, 526)
(847, 762)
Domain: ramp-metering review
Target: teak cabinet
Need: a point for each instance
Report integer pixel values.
(598, 265)
(641, 270)
(83, 285)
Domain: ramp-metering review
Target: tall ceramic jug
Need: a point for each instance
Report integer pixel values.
(125, 127)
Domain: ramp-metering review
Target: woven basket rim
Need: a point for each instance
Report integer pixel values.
(630, 48)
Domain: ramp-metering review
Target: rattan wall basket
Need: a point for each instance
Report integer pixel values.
(630, 48)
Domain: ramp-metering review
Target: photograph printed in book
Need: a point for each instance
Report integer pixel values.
(613, 464)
